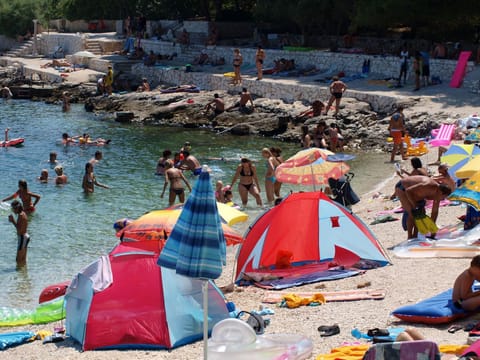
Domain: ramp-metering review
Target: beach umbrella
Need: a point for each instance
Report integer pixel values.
(469, 192)
(306, 156)
(157, 225)
(458, 155)
(228, 214)
(196, 246)
(469, 169)
(316, 173)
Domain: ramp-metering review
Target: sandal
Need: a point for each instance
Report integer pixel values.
(454, 328)
(326, 330)
(378, 332)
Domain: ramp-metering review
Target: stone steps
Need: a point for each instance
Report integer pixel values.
(94, 47)
(22, 49)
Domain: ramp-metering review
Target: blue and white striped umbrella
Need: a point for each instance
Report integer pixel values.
(196, 246)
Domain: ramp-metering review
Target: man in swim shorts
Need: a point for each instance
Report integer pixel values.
(412, 191)
(191, 163)
(337, 88)
(21, 225)
(216, 105)
(397, 128)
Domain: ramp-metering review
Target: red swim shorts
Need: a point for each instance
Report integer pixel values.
(397, 137)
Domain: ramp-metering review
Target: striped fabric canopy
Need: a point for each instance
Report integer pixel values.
(196, 246)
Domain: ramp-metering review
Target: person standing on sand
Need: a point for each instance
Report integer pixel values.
(337, 88)
(237, 62)
(259, 60)
(397, 128)
(413, 191)
(21, 225)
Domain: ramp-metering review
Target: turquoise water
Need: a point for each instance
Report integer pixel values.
(69, 230)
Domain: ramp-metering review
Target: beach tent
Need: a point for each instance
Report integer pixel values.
(125, 300)
(306, 238)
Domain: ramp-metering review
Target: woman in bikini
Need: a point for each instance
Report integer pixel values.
(162, 161)
(26, 197)
(89, 180)
(174, 177)
(237, 62)
(248, 183)
(270, 180)
(277, 153)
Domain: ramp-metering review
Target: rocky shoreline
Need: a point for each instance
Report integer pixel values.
(362, 127)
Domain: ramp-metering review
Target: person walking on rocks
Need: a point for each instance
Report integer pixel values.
(337, 88)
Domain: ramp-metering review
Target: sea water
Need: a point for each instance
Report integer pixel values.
(70, 230)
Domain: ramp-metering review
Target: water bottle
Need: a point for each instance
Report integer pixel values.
(357, 334)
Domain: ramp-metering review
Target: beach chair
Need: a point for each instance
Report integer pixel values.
(443, 136)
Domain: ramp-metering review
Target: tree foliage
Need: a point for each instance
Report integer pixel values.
(16, 16)
(435, 19)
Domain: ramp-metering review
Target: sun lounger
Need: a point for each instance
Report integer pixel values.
(443, 136)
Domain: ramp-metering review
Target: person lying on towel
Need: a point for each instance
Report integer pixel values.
(463, 296)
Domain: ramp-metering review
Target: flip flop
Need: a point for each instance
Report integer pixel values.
(326, 330)
(454, 328)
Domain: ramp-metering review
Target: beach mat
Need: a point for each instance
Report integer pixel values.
(273, 297)
(304, 278)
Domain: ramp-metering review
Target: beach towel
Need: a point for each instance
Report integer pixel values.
(403, 350)
(273, 297)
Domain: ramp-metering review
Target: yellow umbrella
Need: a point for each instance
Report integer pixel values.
(469, 192)
(469, 169)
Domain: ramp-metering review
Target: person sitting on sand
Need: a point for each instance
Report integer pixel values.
(463, 297)
(413, 191)
(61, 177)
(245, 98)
(56, 63)
(202, 59)
(216, 105)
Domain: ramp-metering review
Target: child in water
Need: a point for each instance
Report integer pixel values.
(463, 296)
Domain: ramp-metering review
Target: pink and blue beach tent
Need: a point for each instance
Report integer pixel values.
(304, 239)
(126, 301)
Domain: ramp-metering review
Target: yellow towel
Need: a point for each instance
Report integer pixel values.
(293, 301)
(350, 352)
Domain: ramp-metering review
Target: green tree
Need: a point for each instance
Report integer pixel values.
(16, 16)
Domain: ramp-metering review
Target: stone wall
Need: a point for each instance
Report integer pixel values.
(70, 43)
(273, 90)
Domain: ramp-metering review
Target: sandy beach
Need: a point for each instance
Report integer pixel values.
(405, 281)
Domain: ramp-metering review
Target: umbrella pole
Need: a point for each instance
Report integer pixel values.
(205, 319)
